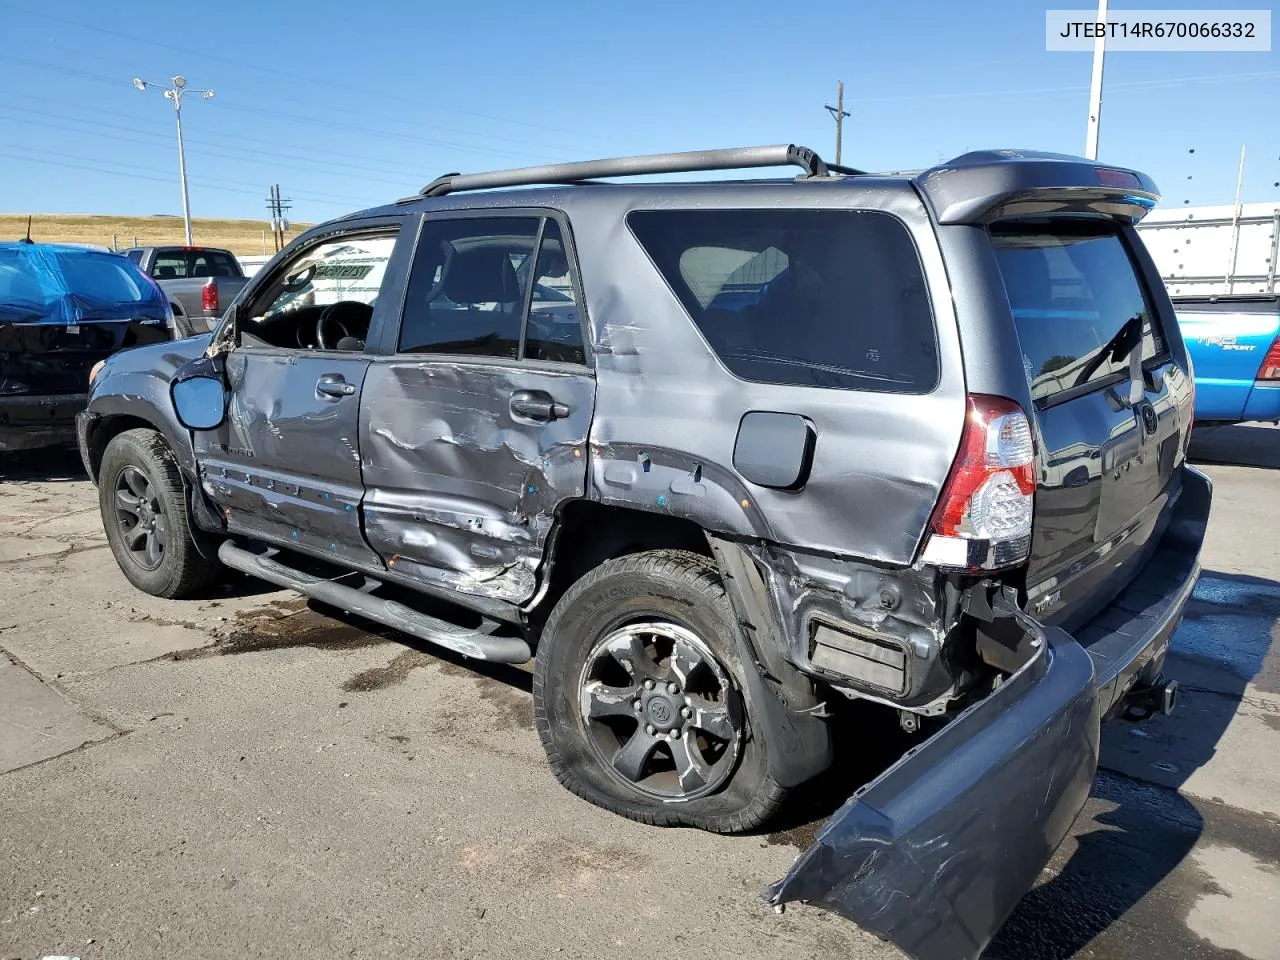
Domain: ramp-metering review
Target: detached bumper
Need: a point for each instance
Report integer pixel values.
(28, 422)
(936, 852)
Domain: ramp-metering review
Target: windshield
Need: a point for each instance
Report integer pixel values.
(59, 285)
(1076, 301)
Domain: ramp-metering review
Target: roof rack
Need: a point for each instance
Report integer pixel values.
(737, 158)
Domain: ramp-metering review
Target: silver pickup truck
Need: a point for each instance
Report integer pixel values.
(200, 282)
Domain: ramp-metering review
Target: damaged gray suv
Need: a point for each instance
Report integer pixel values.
(716, 455)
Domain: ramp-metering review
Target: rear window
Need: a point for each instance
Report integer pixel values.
(180, 264)
(1077, 303)
(815, 298)
(60, 285)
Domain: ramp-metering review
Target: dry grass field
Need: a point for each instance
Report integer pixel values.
(243, 237)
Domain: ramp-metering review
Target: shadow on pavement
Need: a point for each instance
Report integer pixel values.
(1137, 829)
(1246, 445)
(47, 465)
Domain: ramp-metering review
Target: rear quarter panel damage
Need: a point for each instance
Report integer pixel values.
(667, 410)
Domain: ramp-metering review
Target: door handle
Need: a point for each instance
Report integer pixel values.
(537, 405)
(333, 387)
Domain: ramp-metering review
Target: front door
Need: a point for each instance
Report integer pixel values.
(473, 429)
(285, 465)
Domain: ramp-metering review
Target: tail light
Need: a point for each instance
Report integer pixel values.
(1270, 369)
(209, 297)
(983, 519)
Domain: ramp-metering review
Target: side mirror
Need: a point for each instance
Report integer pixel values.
(199, 393)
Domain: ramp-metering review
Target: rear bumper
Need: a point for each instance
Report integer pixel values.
(28, 422)
(936, 852)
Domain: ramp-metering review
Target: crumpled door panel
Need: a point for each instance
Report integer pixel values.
(936, 852)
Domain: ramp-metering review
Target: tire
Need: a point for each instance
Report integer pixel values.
(677, 600)
(138, 468)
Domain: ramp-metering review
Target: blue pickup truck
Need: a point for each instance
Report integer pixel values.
(1234, 342)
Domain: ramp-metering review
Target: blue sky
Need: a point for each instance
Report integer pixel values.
(350, 104)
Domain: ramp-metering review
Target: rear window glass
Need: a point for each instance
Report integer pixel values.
(817, 298)
(1076, 301)
(180, 264)
(58, 285)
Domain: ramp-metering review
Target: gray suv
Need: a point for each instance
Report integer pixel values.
(717, 455)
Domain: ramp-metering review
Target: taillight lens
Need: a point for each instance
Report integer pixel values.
(1270, 369)
(209, 297)
(983, 519)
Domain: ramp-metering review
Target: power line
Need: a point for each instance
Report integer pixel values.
(278, 117)
(244, 156)
(346, 88)
(96, 165)
(364, 163)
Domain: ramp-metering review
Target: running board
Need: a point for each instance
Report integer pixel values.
(478, 643)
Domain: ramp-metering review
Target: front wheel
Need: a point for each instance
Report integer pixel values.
(144, 513)
(638, 697)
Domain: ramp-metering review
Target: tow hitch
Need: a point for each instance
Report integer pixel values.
(1144, 702)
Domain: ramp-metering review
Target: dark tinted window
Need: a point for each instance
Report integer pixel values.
(1077, 303)
(467, 288)
(134, 255)
(554, 330)
(177, 264)
(824, 298)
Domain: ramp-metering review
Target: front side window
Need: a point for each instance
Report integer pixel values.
(479, 288)
(324, 298)
(1077, 303)
(817, 298)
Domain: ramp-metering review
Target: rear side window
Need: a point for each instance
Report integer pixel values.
(1077, 303)
(816, 298)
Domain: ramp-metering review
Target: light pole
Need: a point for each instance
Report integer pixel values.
(1095, 87)
(177, 86)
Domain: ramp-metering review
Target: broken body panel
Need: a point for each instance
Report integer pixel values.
(936, 852)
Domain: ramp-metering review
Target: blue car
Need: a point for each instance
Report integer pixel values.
(1234, 343)
(62, 309)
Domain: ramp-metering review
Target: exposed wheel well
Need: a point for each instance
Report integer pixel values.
(590, 533)
(107, 429)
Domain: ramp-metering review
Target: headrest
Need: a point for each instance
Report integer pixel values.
(484, 275)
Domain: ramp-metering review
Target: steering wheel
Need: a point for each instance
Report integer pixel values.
(329, 323)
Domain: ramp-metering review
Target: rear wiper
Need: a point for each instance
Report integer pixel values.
(1125, 342)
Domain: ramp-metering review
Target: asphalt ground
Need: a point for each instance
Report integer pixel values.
(246, 775)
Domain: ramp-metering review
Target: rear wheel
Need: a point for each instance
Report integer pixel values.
(638, 697)
(144, 513)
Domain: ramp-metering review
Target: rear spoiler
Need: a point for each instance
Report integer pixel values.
(990, 185)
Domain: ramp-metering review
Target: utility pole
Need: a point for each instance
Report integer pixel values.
(276, 206)
(173, 92)
(1095, 87)
(838, 112)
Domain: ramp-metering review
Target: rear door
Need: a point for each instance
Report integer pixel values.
(473, 430)
(1111, 406)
